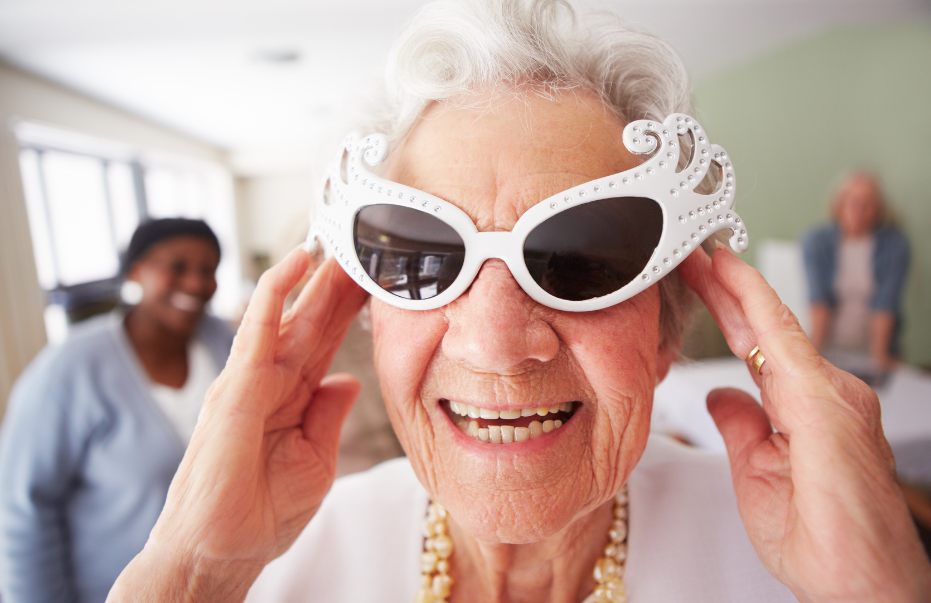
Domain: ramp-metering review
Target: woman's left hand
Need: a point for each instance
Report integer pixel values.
(819, 497)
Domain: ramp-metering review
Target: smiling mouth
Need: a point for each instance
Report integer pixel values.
(507, 426)
(185, 302)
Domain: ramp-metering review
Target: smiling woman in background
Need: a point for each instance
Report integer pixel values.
(96, 428)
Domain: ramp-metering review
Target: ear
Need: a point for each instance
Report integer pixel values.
(665, 356)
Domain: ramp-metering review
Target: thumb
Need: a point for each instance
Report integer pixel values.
(327, 412)
(742, 422)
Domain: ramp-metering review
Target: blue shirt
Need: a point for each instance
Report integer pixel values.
(86, 458)
(891, 259)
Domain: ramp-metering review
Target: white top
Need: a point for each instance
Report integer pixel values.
(181, 406)
(854, 287)
(686, 540)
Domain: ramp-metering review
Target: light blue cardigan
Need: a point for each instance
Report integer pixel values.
(891, 259)
(86, 458)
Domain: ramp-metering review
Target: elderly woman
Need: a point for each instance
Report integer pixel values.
(518, 353)
(857, 268)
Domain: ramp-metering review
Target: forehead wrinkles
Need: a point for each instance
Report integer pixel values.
(531, 168)
(518, 194)
(495, 165)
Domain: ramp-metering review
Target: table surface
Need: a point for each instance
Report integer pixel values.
(679, 402)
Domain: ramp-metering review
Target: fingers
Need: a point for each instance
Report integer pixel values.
(255, 341)
(748, 310)
(698, 273)
(774, 327)
(327, 412)
(742, 424)
(322, 313)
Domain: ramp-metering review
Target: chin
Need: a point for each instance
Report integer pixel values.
(515, 500)
(517, 493)
(184, 324)
(515, 518)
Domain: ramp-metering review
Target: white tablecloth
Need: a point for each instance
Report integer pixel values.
(679, 409)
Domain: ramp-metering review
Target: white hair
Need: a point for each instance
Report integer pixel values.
(454, 50)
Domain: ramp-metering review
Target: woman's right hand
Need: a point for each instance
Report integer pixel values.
(818, 496)
(264, 452)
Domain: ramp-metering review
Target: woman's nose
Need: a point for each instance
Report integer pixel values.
(495, 326)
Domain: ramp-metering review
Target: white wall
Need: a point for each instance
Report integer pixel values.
(22, 332)
(275, 209)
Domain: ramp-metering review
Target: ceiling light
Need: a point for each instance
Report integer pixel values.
(277, 56)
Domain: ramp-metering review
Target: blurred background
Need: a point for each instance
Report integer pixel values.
(114, 111)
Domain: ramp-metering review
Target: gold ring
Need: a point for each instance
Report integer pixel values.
(755, 359)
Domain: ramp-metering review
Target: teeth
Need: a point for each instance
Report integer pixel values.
(488, 414)
(506, 434)
(474, 412)
(186, 302)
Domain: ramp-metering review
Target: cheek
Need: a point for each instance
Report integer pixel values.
(405, 343)
(154, 284)
(618, 346)
(617, 351)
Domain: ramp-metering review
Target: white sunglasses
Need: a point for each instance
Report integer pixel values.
(586, 248)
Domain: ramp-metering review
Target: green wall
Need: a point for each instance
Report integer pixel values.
(795, 120)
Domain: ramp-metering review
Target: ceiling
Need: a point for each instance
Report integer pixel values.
(262, 77)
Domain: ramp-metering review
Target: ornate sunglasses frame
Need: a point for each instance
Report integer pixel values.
(689, 217)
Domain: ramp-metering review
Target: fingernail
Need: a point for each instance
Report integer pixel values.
(308, 246)
(719, 244)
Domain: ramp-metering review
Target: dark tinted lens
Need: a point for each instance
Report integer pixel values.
(594, 249)
(409, 253)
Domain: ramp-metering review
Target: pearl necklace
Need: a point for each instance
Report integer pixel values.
(436, 583)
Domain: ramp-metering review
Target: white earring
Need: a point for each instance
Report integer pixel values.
(131, 292)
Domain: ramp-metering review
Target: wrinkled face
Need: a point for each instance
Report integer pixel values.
(857, 206)
(574, 390)
(178, 278)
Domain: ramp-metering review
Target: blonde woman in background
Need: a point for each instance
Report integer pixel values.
(857, 269)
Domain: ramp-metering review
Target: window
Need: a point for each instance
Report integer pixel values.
(85, 197)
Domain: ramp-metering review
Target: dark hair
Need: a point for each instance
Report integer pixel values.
(155, 231)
